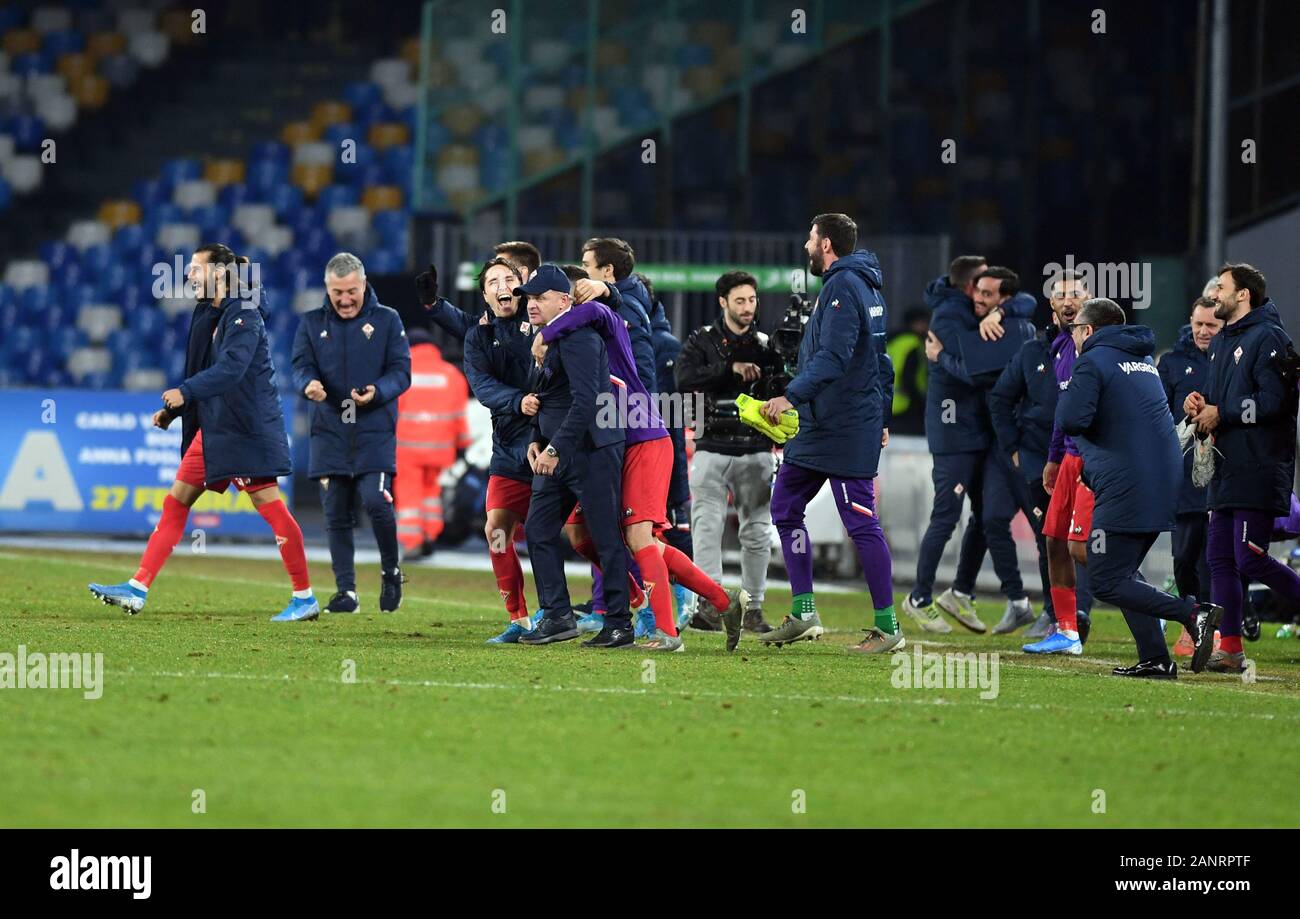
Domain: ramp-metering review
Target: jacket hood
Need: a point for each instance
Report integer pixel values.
(945, 300)
(1265, 312)
(1186, 343)
(1133, 339)
(659, 319)
(862, 262)
(368, 305)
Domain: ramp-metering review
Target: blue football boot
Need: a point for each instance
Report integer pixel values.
(124, 595)
(299, 610)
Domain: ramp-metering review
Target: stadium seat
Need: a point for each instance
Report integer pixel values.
(20, 41)
(308, 299)
(106, 44)
(299, 132)
(145, 379)
(311, 178)
(388, 134)
(23, 173)
(193, 193)
(385, 261)
(85, 233)
(176, 306)
(286, 200)
(58, 111)
(315, 153)
(381, 198)
(330, 112)
(88, 360)
(97, 257)
(97, 320)
(270, 150)
(178, 236)
(90, 90)
(221, 172)
(390, 70)
(350, 225)
(57, 253)
(265, 174)
(361, 94)
(149, 48)
(333, 196)
(120, 213)
(21, 274)
(210, 218)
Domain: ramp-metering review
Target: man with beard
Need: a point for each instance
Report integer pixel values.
(233, 430)
(732, 460)
(1249, 407)
(959, 433)
(1069, 513)
(840, 394)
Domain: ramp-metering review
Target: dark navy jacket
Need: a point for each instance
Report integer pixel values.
(573, 378)
(838, 389)
(946, 395)
(1183, 370)
(238, 404)
(498, 362)
(203, 324)
(667, 349)
(346, 354)
(634, 306)
(1022, 405)
(1258, 458)
(1115, 408)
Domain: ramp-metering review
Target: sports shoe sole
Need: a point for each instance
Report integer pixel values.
(936, 625)
(567, 635)
(813, 634)
(957, 613)
(855, 649)
(1205, 647)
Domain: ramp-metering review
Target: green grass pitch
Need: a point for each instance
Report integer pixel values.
(203, 693)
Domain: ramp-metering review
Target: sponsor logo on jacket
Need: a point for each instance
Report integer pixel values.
(1137, 367)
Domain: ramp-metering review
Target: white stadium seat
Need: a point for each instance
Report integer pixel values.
(23, 273)
(23, 173)
(390, 70)
(175, 306)
(173, 236)
(58, 112)
(316, 153)
(273, 239)
(86, 233)
(547, 54)
(307, 299)
(145, 380)
(149, 48)
(43, 85)
(85, 361)
(348, 221)
(194, 193)
(251, 218)
(542, 98)
(97, 320)
(401, 95)
(6, 147)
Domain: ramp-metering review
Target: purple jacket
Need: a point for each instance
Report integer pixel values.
(1063, 355)
(636, 407)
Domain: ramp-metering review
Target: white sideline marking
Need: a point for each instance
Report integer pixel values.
(901, 698)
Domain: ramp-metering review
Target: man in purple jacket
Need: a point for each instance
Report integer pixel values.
(647, 470)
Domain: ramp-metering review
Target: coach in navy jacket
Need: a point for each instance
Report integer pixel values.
(1257, 465)
(347, 354)
(238, 403)
(1115, 408)
(837, 389)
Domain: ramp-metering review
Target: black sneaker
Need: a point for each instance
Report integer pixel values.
(345, 601)
(1155, 669)
(1202, 629)
(754, 621)
(1250, 627)
(551, 629)
(612, 638)
(1085, 626)
(706, 620)
(390, 594)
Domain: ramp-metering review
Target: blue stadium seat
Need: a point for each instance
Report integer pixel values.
(55, 378)
(109, 379)
(174, 366)
(264, 175)
(96, 258)
(362, 94)
(209, 217)
(56, 253)
(340, 131)
(7, 296)
(366, 115)
(35, 301)
(11, 316)
(32, 63)
(17, 342)
(64, 41)
(286, 199)
(151, 192)
(385, 261)
(6, 194)
(64, 340)
(147, 323)
(332, 196)
(398, 164)
(272, 151)
(120, 342)
(110, 282)
(232, 195)
(55, 317)
(28, 131)
(286, 263)
(181, 170)
(391, 227)
(181, 324)
(128, 239)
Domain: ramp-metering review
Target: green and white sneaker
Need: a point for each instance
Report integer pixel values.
(961, 608)
(791, 630)
(927, 617)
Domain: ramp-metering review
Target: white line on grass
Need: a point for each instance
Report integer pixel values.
(688, 694)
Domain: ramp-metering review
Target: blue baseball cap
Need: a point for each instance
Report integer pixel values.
(546, 277)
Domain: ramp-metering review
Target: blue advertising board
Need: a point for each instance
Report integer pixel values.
(82, 461)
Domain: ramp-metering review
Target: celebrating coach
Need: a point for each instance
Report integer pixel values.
(351, 360)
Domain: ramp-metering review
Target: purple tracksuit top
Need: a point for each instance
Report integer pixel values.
(639, 412)
(1063, 355)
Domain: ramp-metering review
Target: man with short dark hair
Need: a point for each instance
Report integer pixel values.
(611, 261)
(524, 254)
(840, 392)
(732, 460)
(960, 435)
(1117, 412)
(1249, 406)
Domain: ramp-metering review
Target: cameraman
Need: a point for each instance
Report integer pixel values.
(721, 361)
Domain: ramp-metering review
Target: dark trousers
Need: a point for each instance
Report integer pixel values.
(1113, 564)
(1033, 500)
(1191, 567)
(1237, 550)
(976, 475)
(339, 495)
(596, 479)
